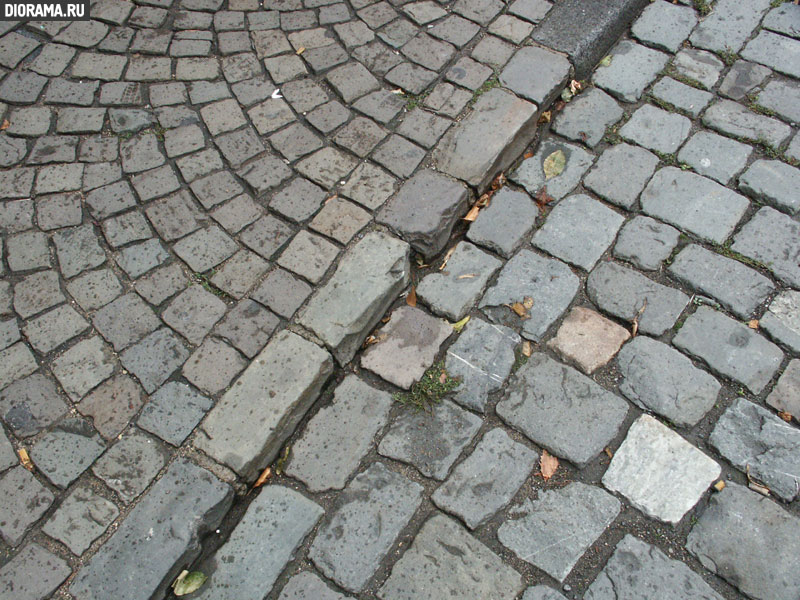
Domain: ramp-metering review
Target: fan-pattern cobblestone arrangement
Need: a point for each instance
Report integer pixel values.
(232, 239)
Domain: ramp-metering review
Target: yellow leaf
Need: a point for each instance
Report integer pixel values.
(719, 486)
(554, 164)
(460, 324)
(545, 117)
(548, 465)
(753, 324)
(519, 309)
(25, 459)
(527, 348)
(301, 49)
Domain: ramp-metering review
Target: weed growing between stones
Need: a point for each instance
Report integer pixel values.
(490, 83)
(728, 56)
(428, 391)
(702, 7)
(519, 359)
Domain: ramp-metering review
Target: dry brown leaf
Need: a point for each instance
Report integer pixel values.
(472, 214)
(559, 106)
(374, 339)
(527, 302)
(575, 86)
(753, 323)
(443, 377)
(301, 49)
(411, 298)
(467, 276)
(719, 486)
(329, 198)
(635, 326)
(608, 452)
(25, 460)
(519, 309)
(527, 155)
(386, 319)
(545, 116)
(542, 198)
(527, 348)
(548, 464)
(785, 416)
(498, 182)
(483, 201)
(757, 487)
(5, 125)
(447, 257)
(262, 479)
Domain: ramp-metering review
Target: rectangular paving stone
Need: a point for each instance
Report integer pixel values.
(780, 96)
(756, 441)
(587, 339)
(552, 70)
(348, 424)
(659, 472)
(645, 242)
(530, 174)
(742, 78)
(112, 404)
(729, 348)
(78, 250)
(23, 501)
(773, 182)
(785, 396)
(699, 66)
(33, 574)
(562, 410)
(431, 441)
(275, 391)
(737, 287)
(454, 291)
(656, 129)
(578, 230)
(633, 67)
(782, 319)
(772, 238)
(65, 452)
(308, 255)
(657, 377)
(728, 25)
(158, 538)
(715, 156)
(446, 563)
(50, 330)
(125, 321)
(733, 119)
(693, 203)
(636, 569)
(155, 358)
(505, 223)
(84, 366)
(604, 180)
(757, 554)
(553, 531)
(486, 480)
(685, 98)
(369, 277)
(767, 47)
(363, 524)
(249, 563)
(486, 141)
(173, 412)
(549, 282)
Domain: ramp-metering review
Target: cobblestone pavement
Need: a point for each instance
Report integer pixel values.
(214, 216)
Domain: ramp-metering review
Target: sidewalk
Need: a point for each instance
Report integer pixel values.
(233, 239)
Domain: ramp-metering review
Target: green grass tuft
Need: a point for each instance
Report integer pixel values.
(429, 390)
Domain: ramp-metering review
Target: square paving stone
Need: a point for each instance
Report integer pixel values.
(693, 203)
(772, 238)
(84, 366)
(773, 182)
(633, 67)
(295, 141)
(213, 366)
(636, 569)
(138, 259)
(299, 200)
(31, 404)
(657, 377)
(423, 127)
(240, 273)
(266, 236)
(360, 136)
(140, 153)
(261, 545)
(549, 282)
(112, 405)
(729, 348)
(369, 185)
(430, 441)
(67, 451)
(578, 230)
(530, 174)
(125, 228)
(553, 531)
(59, 210)
(33, 573)
(194, 313)
(782, 319)
(552, 70)
(505, 223)
(736, 286)
(733, 119)
(50, 330)
(407, 345)
(237, 213)
(562, 410)
(455, 290)
(628, 295)
(78, 250)
(174, 216)
(699, 66)
(82, 518)
(588, 339)
(248, 326)
(327, 167)
(757, 554)
(130, 465)
(282, 292)
(205, 249)
(125, 321)
(348, 424)
(214, 189)
(785, 396)
(481, 358)
(729, 25)
(469, 73)
(23, 501)
(173, 412)
(487, 480)
(154, 359)
(656, 129)
(23, 87)
(766, 447)
(428, 51)
(425, 210)
(350, 544)
(340, 220)
(646, 243)
(664, 25)
(27, 251)
(742, 78)
(587, 117)
(161, 284)
(309, 256)
(52, 60)
(352, 81)
(398, 155)
(447, 100)
(659, 472)
(308, 585)
(445, 562)
(714, 156)
(684, 98)
(110, 199)
(603, 179)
